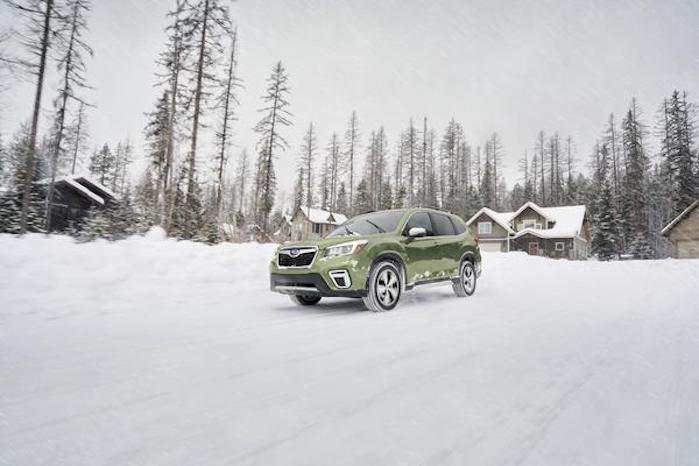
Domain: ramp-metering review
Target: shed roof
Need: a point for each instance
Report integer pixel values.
(666, 231)
(323, 216)
(85, 186)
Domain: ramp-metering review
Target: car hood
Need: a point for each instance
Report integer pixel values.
(323, 243)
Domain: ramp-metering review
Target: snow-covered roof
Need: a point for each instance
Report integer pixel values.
(568, 220)
(83, 184)
(679, 218)
(89, 180)
(323, 216)
(530, 205)
(501, 218)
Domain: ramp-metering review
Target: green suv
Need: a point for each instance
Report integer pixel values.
(377, 256)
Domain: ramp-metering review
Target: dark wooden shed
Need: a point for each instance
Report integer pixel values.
(73, 198)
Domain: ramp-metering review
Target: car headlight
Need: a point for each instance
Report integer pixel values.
(353, 247)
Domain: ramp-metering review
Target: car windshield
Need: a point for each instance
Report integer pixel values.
(369, 224)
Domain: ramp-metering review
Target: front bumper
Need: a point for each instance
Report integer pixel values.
(310, 284)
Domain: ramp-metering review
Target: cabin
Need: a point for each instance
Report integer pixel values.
(683, 233)
(308, 222)
(558, 232)
(73, 198)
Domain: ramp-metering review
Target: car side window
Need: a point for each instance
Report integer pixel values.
(419, 220)
(459, 227)
(442, 225)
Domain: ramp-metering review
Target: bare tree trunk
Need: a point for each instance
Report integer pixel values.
(60, 122)
(29, 163)
(78, 132)
(167, 180)
(197, 102)
(226, 118)
(423, 195)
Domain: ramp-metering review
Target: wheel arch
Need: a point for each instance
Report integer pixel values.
(469, 256)
(394, 257)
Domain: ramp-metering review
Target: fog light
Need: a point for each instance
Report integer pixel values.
(340, 278)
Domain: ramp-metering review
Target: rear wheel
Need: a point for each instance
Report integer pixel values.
(465, 285)
(384, 287)
(302, 300)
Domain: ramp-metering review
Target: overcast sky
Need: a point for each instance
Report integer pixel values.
(509, 66)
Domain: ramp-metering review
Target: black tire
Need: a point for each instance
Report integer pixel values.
(302, 300)
(385, 287)
(465, 285)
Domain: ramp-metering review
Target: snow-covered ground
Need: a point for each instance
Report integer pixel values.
(150, 351)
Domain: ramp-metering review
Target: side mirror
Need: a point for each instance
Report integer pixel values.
(417, 232)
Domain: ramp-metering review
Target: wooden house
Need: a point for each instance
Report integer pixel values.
(559, 232)
(683, 233)
(309, 222)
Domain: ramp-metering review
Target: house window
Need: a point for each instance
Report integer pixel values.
(560, 246)
(530, 224)
(316, 228)
(485, 228)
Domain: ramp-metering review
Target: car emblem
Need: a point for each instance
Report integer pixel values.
(294, 252)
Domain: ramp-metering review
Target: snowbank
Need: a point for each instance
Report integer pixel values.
(152, 351)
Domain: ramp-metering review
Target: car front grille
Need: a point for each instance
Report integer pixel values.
(296, 257)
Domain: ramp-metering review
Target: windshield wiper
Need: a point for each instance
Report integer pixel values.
(381, 230)
(349, 232)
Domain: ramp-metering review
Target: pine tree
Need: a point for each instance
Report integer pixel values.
(271, 140)
(341, 203)
(4, 165)
(605, 218)
(36, 37)
(157, 134)
(95, 226)
(635, 186)
(449, 155)
(102, 164)
(12, 201)
(678, 151)
(145, 195)
(299, 189)
(487, 188)
(386, 200)
(361, 199)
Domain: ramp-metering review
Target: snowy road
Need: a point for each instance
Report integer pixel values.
(156, 352)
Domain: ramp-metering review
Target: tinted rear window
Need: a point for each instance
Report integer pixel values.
(442, 225)
(459, 226)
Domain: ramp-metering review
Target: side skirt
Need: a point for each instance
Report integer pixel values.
(429, 281)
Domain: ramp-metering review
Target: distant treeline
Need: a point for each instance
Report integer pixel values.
(630, 192)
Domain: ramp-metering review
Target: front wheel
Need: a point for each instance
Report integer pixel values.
(302, 300)
(384, 287)
(465, 285)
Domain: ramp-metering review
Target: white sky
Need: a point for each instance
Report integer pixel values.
(509, 66)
